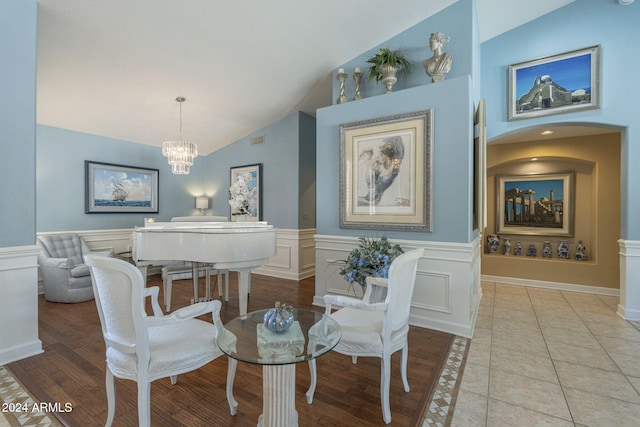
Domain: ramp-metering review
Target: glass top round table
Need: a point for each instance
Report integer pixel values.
(311, 335)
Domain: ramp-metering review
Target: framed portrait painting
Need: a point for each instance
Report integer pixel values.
(111, 188)
(385, 172)
(560, 83)
(245, 193)
(535, 204)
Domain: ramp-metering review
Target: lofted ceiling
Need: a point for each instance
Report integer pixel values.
(114, 68)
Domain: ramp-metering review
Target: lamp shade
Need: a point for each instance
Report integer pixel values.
(202, 202)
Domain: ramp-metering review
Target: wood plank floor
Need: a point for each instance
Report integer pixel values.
(72, 370)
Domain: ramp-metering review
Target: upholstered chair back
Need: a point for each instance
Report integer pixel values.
(402, 280)
(64, 246)
(118, 290)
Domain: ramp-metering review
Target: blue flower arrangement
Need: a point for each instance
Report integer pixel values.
(372, 257)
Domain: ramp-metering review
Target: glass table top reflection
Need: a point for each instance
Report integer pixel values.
(246, 339)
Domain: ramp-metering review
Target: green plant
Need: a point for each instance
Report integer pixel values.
(396, 58)
(372, 257)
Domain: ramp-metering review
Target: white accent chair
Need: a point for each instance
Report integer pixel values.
(380, 328)
(144, 348)
(65, 277)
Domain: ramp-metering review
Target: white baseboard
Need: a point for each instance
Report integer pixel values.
(552, 285)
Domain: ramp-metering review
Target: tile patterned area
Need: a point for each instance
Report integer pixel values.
(444, 394)
(18, 406)
(542, 357)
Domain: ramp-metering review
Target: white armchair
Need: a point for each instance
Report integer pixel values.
(144, 348)
(65, 276)
(378, 328)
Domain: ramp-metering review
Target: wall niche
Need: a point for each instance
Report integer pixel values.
(595, 163)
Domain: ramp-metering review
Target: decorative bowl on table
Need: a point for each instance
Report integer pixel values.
(279, 318)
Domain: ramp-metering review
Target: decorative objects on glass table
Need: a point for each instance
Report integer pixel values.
(311, 335)
(279, 318)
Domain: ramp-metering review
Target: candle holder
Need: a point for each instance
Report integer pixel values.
(357, 76)
(342, 76)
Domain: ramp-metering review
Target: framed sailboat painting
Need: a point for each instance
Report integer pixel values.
(113, 188)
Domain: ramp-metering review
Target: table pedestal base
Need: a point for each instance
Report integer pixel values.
(278, 396)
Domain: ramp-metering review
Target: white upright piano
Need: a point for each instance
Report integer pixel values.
(235, 246)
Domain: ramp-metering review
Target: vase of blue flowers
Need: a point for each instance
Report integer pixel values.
(372, 257)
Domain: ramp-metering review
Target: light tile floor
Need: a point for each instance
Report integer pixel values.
(542, 357)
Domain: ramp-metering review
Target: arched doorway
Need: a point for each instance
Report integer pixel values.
(591, 156)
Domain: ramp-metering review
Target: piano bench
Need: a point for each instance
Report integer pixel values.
(179, 272)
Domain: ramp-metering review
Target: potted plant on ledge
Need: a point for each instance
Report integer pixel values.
(386, 65)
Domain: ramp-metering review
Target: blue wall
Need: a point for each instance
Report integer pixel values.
(579, 24)
(285, 143)
(452, 102)
(288, 167)
(457, 21)
(18, 24)
(60, 161)
(451, 198)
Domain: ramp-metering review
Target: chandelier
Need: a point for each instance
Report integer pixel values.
(180, 154)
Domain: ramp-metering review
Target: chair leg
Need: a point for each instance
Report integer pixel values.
(385, 377)
(403, 367)
(354, 359)
(111, 398)
(144, 403)
(312, 386)
(174, 379)
(231, 375)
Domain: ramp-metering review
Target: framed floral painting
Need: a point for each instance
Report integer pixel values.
(245, 192)
(385, 172)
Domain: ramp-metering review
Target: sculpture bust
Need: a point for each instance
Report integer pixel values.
(440, 63)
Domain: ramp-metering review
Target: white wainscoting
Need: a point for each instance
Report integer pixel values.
(19, 303)
(294, 259)
(629, 307)
(295, 255)
(447, 292)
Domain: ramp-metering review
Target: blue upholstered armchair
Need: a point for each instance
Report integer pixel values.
(65, 276)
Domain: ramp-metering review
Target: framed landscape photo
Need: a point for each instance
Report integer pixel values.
(385, 172)
(535, 204)
(245, 194)
(113, 188)
(560, 83)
